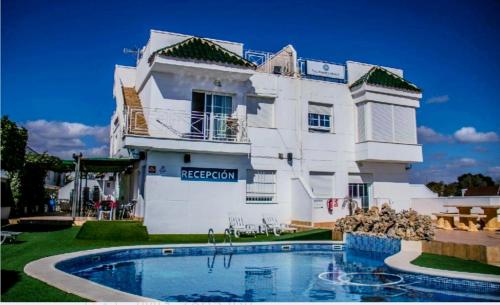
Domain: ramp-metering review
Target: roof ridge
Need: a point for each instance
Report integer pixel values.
(366, 78)
(201, 40)
(397, 76)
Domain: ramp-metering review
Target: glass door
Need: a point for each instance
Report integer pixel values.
(218, 110)
(359, 192)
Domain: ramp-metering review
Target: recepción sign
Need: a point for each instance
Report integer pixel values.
(209, 174)
(324, 69)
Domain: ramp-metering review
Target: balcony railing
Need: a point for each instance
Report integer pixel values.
(195, 125)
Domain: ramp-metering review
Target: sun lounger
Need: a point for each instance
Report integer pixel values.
(237, 226)
(272, 224)
(9, 236)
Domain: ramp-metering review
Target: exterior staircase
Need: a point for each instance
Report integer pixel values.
(136, 121)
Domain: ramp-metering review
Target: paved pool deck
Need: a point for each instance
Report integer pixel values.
(484, 238)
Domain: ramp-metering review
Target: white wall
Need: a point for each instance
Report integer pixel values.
(187, 204)
(176, 206)
(161, 39)
(427, 206)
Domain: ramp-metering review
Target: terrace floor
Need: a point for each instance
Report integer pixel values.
(485, 238)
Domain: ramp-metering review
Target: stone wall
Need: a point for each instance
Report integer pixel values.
(484, 254)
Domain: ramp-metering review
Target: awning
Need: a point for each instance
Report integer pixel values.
(101, 165)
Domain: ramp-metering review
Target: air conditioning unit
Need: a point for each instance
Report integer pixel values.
(277, 69)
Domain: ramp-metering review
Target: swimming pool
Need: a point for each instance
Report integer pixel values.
(273, 272)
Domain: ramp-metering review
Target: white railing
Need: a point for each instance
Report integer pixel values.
(378, 202)
(193, 125)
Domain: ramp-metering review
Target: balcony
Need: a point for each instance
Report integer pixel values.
(174, 130)
(388, 152)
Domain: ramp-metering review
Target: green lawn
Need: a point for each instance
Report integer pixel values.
(454, 264)
(17, 286)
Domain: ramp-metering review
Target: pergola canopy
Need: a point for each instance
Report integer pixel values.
(100, 165)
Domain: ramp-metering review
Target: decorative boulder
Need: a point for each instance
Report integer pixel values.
(407, 225)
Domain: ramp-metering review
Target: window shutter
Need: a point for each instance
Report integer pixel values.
(318, 108)
(261, 186)
(404, 125)
(321, 183)
(382, 122)
(260, 112)
(361, 123)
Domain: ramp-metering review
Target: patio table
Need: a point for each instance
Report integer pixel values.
(490, 222)
(468, 221)
(445, 220)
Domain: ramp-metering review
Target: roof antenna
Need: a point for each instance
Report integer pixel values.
(135, 51)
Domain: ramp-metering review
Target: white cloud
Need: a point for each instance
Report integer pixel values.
(441, 99)
(99, 151)
(470, 135)
(463, 135)
(462, 162)
(65, 138)
(429, 135)
(494, 171)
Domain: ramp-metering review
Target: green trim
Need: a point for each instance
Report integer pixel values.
(202, 49)
(382, 77)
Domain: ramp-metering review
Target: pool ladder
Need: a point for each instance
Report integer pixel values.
(211, 237)
(227, 237)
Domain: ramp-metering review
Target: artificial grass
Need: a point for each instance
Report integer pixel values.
(113, 230)
(454, 264)
(18, 287)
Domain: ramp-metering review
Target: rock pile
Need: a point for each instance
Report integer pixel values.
(408, 225)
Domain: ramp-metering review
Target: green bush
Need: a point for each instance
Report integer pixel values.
(113, 230)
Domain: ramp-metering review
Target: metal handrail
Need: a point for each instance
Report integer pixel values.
(227, 235)
(194, 125)
(211, 237)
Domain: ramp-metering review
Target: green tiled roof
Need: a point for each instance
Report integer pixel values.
(381, 77)
(202, 49)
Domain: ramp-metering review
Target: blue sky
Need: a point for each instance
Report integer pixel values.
(58, 58)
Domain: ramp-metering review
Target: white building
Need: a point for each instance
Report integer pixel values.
(220, 130)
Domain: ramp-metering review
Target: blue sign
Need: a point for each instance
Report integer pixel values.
(209, 174)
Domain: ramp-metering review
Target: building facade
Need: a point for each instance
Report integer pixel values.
(218, 130)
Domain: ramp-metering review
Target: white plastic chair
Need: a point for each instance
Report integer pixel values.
(9, 236)
(273, 225)
(237, 226)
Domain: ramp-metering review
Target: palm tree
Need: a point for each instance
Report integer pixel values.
(351, 204)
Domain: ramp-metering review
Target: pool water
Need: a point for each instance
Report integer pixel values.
(308, 275)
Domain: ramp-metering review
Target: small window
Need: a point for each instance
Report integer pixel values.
(320, 117)
(321, 183)
(261, 186)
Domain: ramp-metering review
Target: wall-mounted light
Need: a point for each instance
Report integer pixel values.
(289, 158)
(187, 158)
(218, 83)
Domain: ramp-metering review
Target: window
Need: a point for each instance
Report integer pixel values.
(321, 183)
(207, 107)
(404, 125)
(260, 112)
(393, 123)
(361, 122)
(261, 186)
(320, 117)
(359, 192)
